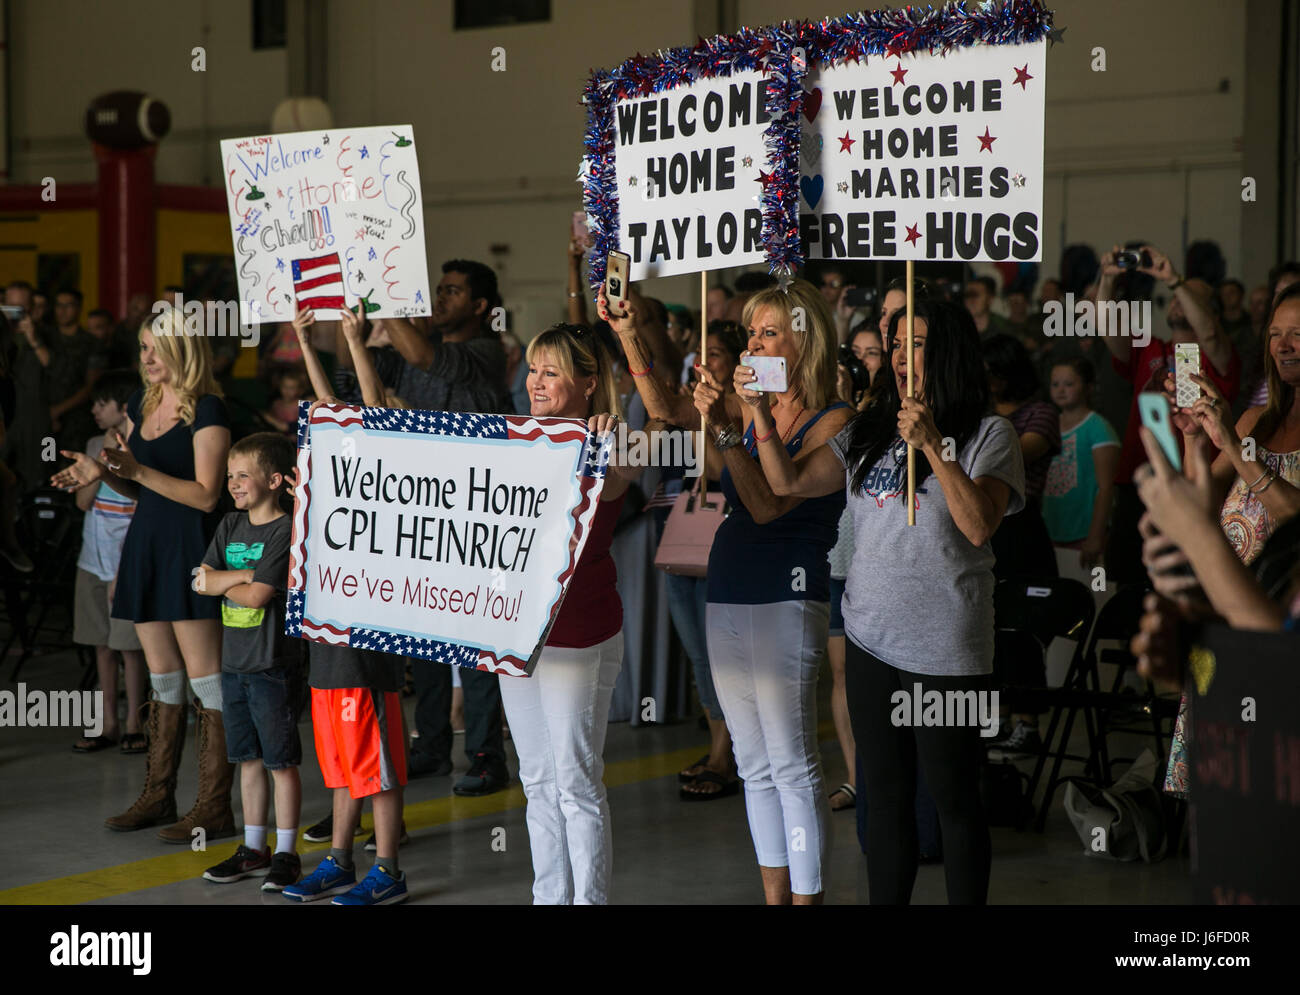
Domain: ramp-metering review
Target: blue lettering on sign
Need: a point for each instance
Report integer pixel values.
(280, 161)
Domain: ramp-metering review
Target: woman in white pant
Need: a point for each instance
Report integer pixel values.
(558, 715)
(769, 590)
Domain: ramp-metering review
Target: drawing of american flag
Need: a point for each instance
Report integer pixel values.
(318, 282)
(592, 466)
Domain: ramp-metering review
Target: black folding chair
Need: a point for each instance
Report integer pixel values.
(1028, 615)
(1118, 621)
(51, 524)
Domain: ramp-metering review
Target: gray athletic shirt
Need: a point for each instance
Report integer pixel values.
(920, 598)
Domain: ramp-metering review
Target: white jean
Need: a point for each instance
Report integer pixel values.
(558, 719)
(764, 660)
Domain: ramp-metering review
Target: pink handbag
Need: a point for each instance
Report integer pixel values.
(688, 533)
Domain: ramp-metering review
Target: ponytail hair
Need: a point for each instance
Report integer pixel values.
(579, 353)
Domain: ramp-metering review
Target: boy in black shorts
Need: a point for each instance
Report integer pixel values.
(247, 565)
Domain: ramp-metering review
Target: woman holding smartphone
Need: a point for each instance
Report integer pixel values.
(769, 586)
(173, 462)
(918, 601)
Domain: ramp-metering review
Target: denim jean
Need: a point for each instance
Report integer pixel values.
(260, 714)
(686, 606)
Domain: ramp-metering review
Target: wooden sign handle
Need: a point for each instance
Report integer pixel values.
(911, 354)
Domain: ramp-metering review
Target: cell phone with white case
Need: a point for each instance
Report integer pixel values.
(1187, 361)
(770, 375)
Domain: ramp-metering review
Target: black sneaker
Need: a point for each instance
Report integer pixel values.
(286, 869)
(244, 863)
(482, 778)
(372, 846)
(423, 764)
(1024, 741)
(323, 831)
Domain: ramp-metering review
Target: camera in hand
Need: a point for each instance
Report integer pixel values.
(861, 297)
(1133, 258)
(859, 375)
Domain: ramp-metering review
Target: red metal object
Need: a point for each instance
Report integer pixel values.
(127, 224)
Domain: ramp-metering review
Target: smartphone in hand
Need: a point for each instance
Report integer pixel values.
(1154, 409)
(617, 268)
(771, 374)
(1187, 361)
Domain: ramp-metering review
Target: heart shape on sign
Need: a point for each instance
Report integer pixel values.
(812, 103)
(812, 189)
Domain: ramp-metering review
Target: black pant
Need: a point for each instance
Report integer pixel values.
(483, 733)
(950, 759)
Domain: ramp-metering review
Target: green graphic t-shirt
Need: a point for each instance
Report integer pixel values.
(253, 639)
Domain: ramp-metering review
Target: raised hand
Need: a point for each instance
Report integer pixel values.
(354, 325)
(83, 471)
(303, 320)
(741, 378)
(119, 459)
(916, 424)
(1212, 414)
(709, 398)
(626, 321)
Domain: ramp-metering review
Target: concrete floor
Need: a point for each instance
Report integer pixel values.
(666, 851)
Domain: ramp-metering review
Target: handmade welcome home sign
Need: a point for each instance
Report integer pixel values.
(889, 134)
(320, 218)
(465, 558)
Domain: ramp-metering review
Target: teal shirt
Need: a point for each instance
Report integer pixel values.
(1071, 487)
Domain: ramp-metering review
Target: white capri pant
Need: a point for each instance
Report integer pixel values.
(558, 719)
(764, 660)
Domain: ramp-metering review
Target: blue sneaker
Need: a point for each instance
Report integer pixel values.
(327, 879)
(378, 888)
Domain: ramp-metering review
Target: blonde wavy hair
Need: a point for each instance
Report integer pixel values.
(813, 374)
(578, 353)
(188, 361)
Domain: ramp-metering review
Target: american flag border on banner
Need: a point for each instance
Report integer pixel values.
(519, 428)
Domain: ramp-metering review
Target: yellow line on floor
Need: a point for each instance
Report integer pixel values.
(183, 864)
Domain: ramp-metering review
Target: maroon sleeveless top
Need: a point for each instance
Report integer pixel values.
(592, 611)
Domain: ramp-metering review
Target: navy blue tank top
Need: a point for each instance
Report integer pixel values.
(784, 560)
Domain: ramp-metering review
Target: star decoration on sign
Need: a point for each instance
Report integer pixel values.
(365, 152)
(986, 140)
(325, 139)
(913, 234)
(842, 186)
(1022, 74)
(1018, 180)
(631, 181)
(895, 48)
(784, 281)
(1056, 35)
(747, 162)
(764, 178)
(846, 143)
(899, 73)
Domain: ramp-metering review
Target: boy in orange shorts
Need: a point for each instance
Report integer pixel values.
(356, 713)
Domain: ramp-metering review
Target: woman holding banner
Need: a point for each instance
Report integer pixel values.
(918, 601)
(558, 715)
(769, 589)
(173, 462)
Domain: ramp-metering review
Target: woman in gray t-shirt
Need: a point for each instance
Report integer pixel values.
(918, 602)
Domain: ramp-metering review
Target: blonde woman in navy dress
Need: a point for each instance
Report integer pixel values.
(173, 462)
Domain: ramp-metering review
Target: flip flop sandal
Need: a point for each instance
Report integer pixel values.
(683, 778)
(94, 744)
(853, 798)
(729, 787)
(135, 742)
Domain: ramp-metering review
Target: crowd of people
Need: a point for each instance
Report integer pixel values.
(1029, 465)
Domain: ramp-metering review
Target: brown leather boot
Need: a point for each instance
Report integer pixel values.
(211, 809)
(165, 727)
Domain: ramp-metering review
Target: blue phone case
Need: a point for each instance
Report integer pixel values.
(1154, 408)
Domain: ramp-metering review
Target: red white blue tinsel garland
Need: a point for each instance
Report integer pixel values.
(775, 51)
